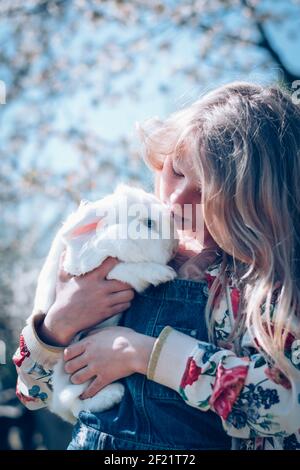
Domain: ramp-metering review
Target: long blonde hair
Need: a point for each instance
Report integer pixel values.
(244, 143)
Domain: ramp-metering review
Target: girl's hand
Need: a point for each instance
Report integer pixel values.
(106, 356)
(82, 302)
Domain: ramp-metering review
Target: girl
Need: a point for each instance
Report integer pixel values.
(226, 379)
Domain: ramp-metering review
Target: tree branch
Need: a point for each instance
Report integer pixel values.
(265, 43)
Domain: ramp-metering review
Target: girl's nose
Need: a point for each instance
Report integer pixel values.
(176, 197)
(181, 197)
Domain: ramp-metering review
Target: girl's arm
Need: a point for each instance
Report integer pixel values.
(251, 398)
(80, 303)
(34, 361)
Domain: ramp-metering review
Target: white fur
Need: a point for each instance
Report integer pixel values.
(144, 262)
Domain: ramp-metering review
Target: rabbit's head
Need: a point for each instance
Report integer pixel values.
(147, 228)
(130, 224)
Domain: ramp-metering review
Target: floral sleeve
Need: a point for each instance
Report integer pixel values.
(34, 361)
(252, 398)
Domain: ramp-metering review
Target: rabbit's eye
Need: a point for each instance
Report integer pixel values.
(149, 223)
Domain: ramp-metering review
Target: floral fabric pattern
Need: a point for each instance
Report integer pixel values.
(227, 387)
(22, 353)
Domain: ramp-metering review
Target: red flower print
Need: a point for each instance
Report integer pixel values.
(191, 373)
(259, 443)
(235, 301)
(23, 353)
(216, 300)
(278, 377)
(228, 384)
(23, 398)
(289, 341)
(210, 279)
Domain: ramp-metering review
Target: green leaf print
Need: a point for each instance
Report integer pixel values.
(259, 363)
(204, 404)
(212, 369)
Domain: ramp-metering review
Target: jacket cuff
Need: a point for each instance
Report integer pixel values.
(171, 348)
(41, 352)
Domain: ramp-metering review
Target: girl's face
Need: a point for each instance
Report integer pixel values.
(179, 189)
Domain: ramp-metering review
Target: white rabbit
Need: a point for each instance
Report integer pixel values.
(94, 232)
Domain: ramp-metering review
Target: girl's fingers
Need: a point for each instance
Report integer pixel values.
(74, 350)
(119, 308)
(106, 266)
(116, 286)
(92, 389)
(122, 297)
(81, 376)
(75, 364)
(63, 276)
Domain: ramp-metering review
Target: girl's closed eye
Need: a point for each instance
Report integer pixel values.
(175, 171)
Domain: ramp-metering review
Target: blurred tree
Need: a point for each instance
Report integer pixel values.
(56, 55)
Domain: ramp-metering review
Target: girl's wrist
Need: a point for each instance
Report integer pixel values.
(143, 350)
(50, 337)
(52, 332)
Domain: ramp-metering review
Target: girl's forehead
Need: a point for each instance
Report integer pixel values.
(186, 145)
(183, 158)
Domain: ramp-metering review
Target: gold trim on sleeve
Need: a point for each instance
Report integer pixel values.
(156, 351)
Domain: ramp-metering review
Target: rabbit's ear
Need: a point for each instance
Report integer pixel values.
(85, 220)
(84, 229)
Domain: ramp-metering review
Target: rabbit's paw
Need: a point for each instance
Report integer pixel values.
(77, 406)
(159, 274)
(103, 400)
(140, 275)
(87, 262)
